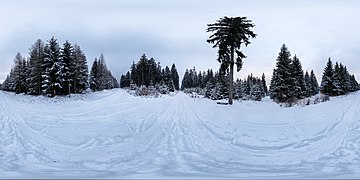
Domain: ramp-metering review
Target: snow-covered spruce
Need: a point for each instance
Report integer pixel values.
(53, 70)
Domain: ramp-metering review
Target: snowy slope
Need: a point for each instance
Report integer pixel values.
(113, 134)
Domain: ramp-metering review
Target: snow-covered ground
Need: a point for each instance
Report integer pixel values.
(114, 134)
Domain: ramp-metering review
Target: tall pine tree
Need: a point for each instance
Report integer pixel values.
(37, 53)
(314, 85)
(94, 82)
(263, 84)
(175, 77)
(51, 83)
(327, 85)
(281, 86)
(80, 73)
(297, 74)
(67, 68)
(101, 77)
(18, 74)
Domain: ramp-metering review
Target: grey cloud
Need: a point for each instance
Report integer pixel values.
(174, 31)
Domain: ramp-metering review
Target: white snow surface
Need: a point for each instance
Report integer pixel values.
(112, 134)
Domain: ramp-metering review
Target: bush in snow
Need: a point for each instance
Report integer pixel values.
(144, 91)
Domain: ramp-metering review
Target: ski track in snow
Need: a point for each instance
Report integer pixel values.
(113, 134)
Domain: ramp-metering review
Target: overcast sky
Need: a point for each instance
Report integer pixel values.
(174, 31)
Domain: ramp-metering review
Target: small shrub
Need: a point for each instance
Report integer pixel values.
(144, 91)
(317, 100)
(324, 98)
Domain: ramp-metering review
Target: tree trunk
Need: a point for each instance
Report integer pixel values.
(231, 77)
(74, 87)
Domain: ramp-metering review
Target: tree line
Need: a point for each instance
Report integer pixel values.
(337, 81)
(53, 70)
(216, 86)
(101, 77)
(251, 88)
(289, 83)
(149, 73)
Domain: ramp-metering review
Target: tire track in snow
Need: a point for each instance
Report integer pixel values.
(283, 157)
(22, 147)
(344, 158)
(176, 138)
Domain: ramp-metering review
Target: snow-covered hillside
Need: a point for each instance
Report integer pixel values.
(114, 134)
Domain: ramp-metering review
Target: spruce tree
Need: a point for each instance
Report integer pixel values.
(298, 75)
(24, 75)
(67, 68)
(282, 83)
(313, 83)
(94, 84)
(175, 76)
(157, 74)
(127, 81)
(256, 93)
(81, 72)
(337, 81)
(134, 78)
(263, 84)
(122, 81)
(142, 72)
(112, 82)
(6, 83)
(248, 85)
(12, 80)
(274, 82)
(152, 68)
(345, 76)
(52, 84)
(186, 80)
(167, 75)
(101, 77)
(308, 85)
(222, 86)
(354, 84)
(327, 84)
(35, 67)
(18, 74)
(208, 90)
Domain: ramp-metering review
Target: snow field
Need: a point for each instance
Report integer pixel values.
(114, 134)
